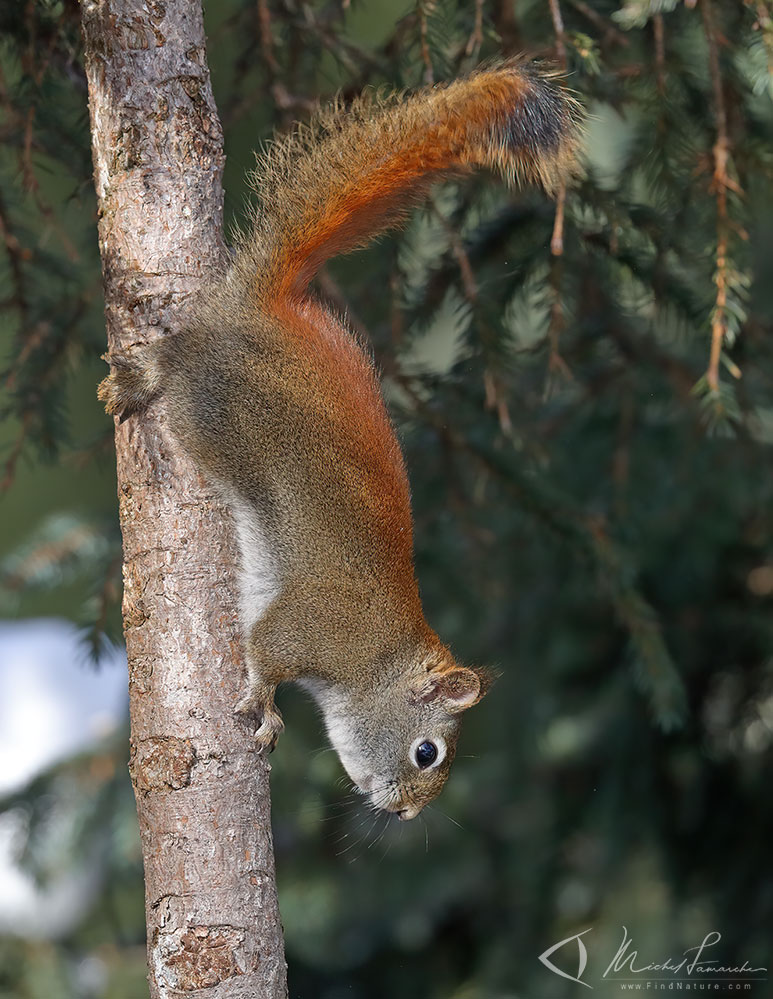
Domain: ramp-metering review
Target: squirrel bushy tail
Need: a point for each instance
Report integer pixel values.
(331, 186)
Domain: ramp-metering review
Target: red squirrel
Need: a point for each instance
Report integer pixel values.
(280, 407)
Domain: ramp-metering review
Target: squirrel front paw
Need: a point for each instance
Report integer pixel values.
(257, 705)
(133, 381)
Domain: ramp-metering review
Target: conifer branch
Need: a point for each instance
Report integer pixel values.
(425, 6)
(474, 42)
(721, 183)
(495, 398)
(658, 30)
(9, 469)
(17, 256)
(609, 31)
(558, 28)
(556, 363)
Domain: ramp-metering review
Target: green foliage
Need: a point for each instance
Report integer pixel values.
(592, 491)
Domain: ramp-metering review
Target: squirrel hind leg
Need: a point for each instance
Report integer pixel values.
(133, 382)
(264, 673)
(258, 707)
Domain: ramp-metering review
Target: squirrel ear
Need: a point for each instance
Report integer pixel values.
(456, 688)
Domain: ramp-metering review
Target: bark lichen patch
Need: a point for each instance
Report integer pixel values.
(160, 763)
(200, 957)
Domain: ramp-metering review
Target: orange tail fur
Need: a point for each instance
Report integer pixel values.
(331, 186)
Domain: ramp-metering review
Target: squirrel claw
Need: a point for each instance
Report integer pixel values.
(270, 729)
(271, 724)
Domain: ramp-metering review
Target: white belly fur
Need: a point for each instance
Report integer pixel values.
(258, 575)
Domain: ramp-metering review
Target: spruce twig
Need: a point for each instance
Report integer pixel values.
(556, 363)
(720, 185)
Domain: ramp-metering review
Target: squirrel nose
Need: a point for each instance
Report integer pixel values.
(404, 814)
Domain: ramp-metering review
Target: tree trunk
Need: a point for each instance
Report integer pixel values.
(202, 791)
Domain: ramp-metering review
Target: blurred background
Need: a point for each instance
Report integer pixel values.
(593, 497)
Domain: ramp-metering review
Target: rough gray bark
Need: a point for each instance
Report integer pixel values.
(202, 790)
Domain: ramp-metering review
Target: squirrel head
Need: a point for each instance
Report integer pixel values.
(397, 739)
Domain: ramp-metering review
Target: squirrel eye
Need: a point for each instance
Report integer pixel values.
(426, 754)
